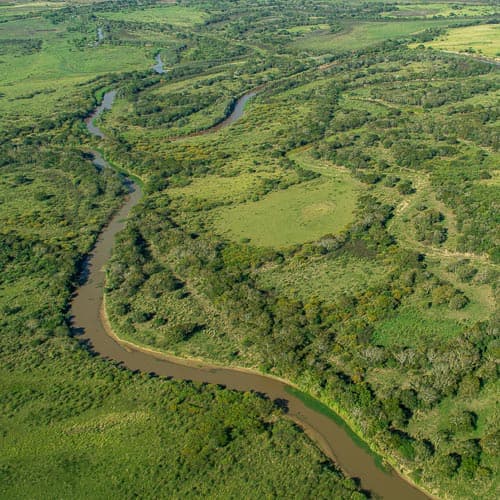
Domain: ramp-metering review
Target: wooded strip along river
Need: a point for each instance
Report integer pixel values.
(90, 324)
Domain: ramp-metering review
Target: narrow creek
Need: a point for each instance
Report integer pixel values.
(90, 324)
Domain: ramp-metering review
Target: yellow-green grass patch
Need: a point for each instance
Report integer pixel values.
(170, 14)
(237, 181)
(20, 9)
(298, 214)
(218, 189)
(363, 34)
(417, 324)
(483, 39)
(59, 60)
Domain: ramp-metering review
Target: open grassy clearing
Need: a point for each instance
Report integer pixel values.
(162, 40)
(437, 420)
(220, 190)
(171, 14)
(417, 322)
(56, 62)
(31, 27)
(12, 9)
(482, 40)
(295, 215)
(360, 35)
(59, 57)
(484, 99)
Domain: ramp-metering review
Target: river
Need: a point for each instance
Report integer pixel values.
(158, 67)
(89, 322)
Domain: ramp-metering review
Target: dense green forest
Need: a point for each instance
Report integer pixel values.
(342, 234)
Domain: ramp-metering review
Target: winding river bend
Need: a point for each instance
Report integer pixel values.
(89, 322)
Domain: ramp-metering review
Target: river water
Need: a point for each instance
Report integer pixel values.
(158, 67)
(236, 113)
(90, 324)
(106, 103)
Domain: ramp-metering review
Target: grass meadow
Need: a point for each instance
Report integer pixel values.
(482, 40)
(170, 14)
(356, 36)
(298, 214)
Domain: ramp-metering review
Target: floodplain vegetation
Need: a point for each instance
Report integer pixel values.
(342, 234)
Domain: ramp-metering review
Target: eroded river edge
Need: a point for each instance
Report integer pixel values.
(89, 322)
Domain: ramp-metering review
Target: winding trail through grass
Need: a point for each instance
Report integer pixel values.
(333, 435)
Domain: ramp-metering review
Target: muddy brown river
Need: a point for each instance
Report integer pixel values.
(89, 323)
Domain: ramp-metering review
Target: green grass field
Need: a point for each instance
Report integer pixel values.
(222, 190)
(295, 215)
(15, 9)
(308, 28)
(482, 40)
(360, 35)
(171, 14)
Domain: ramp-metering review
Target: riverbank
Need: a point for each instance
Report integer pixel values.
(203, 364)
(385, 465)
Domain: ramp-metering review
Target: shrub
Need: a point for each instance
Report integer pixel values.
(406, 187)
